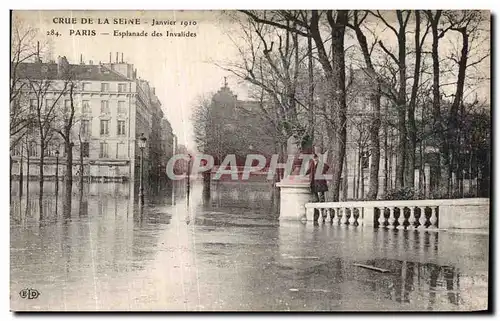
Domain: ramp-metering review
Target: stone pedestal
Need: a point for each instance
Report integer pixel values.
(294, 194)
(465, 214)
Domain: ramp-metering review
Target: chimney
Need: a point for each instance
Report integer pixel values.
(110, 57)
(81, 59)
(117, 57)
(37, 58)
(122, 57)
(91, 62)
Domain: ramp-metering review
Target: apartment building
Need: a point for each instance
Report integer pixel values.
(113, 107)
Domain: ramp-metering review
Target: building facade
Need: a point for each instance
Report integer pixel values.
(113, 107)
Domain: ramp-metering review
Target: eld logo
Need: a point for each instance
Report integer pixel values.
(29, 294)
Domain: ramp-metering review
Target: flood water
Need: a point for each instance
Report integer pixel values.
(225, 250)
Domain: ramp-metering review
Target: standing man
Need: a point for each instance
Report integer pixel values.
(318, 184)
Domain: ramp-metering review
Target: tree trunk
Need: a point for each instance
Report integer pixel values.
(453, 132)
(345, 182)
(355, 179)
(442, 161)
(337, 94)
(401, 161)
(412, 128)
(375, 124)
(81, 169)
(386, 158)
(27, 174)
(311, 88)
(41, 180)
(374, 145)
(21, 171)
(68, 176)
(10, 176)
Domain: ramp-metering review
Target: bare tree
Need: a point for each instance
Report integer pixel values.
(374, 98)
(46, 93)
(400, 61)
(333, 68)
(412, 127)
(272, 61)
(466, 23)
(64, 125)
(24, 48)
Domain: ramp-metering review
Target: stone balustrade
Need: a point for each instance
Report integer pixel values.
(469, 213)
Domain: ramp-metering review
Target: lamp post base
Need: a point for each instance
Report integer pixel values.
(141, 196)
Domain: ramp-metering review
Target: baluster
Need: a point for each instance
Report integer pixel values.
(352, 220)
(360, 216)
(411, 218)
(433, 218)
(391, 217)
(399, 221)
(422, 219)
(381, 218)
(322, 212)
(343, 220)
(336, 211)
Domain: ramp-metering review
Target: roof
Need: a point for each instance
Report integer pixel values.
(82, 72)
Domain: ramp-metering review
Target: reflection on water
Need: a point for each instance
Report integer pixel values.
(260, 198)
(224, 249)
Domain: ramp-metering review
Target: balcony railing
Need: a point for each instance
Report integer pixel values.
(414, 214)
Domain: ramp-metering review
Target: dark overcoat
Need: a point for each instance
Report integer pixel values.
(318, 184)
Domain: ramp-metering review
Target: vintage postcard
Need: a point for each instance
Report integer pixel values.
(243, 160)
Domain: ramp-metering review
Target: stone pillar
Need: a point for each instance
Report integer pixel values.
(427, 173)
(294, 194)
(369, 216)
(472, 215)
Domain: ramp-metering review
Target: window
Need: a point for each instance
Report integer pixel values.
(104, 127)
(104, 107)
(67, 105)
(33, 150)
(85, 149)
(85, 127)
(365, 159)
(85, 107)
(16, 151)
(121, 150)
(105, 87)
(33, 104)
(49, 103)
(103, 150)
(121, 107)
(86, 86)
(122, 88)
(121, 127)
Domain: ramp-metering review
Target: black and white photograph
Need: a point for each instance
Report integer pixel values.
(250, 160)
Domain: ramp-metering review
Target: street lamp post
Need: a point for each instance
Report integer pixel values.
(142, 145)
(57, 172)
(189, 171)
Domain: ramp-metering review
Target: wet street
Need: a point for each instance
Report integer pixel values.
(226, 251)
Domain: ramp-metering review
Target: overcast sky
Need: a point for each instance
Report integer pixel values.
(182, 69)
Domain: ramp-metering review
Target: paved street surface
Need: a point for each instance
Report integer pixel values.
(227, 251)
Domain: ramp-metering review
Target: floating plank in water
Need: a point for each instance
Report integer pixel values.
(372, 268)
